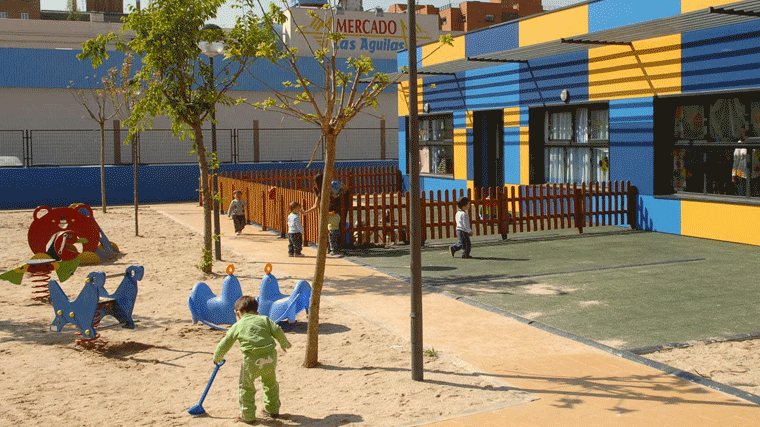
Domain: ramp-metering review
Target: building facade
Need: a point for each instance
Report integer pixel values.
(663, 94)
(20, 9)
(473, 15)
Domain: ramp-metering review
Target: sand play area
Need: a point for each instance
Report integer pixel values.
(153, 374)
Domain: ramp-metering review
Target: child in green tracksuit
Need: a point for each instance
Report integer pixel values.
(257, 335)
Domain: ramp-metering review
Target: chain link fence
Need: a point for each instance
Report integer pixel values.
(12, 147)
(81, 147)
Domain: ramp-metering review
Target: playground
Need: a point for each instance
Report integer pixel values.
(151, 375)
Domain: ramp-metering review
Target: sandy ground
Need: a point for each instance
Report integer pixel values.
(152, 375)
(732, 363)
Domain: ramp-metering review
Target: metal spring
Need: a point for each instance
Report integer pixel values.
(40, 276)
(95, 323)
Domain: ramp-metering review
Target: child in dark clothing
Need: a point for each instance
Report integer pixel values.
(463, 229)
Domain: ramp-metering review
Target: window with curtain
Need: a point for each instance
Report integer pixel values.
(716, 146)
(437, 144)
(576, 146)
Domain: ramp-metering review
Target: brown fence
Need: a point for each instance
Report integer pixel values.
(384, 217)
(359, 180)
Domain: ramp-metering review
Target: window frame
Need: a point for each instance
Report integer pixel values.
(447, 141)
(666, 181)
(573, 143)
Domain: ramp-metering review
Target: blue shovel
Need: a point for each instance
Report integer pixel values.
(198, 409)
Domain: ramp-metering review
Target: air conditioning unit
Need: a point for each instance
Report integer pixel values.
(97, 17)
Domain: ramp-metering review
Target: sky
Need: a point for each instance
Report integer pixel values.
(227, 15)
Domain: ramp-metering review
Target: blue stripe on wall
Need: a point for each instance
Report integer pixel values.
(492, 87)
(721, 58)
(443, 93)
(542, 80)
(55, 69)
(603, 15)
(402, 162)
(663, 215)
(493, 39)
(26, 188)
(632, 142)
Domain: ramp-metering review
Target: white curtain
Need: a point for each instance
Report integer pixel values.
(579, 165)
(561, 126)
(581, 125)
(600, 124)
(554, 164)
(726, 119)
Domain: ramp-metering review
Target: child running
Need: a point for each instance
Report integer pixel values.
(236, 211)
(463, 229)
(295, 230)
(257, 335)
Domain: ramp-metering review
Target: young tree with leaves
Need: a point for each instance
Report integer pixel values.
(101, 108)
(329, 101)
(176, 78)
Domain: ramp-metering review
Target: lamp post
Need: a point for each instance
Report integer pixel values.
(415, 263)
(211, 49)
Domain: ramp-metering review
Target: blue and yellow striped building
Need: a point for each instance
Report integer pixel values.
(663, 93)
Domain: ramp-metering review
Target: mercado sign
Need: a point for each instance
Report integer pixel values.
(365, 33)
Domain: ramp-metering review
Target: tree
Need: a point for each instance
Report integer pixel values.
(177, 79)
(73, 7)
(116, 92)
(330, 102)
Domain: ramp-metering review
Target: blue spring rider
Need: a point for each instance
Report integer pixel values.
(94, 302)
(214, 310)
(279, 307)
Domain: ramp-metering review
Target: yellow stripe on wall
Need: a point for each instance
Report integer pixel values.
(435, 53)
(720, 221)
(691, 5)
(554, 26)
(524, 156)
(512, 117)
(615, 72)
(460, 153)
(403, 98)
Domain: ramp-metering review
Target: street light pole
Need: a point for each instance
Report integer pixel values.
(415, 263)
(212, 49)
(215, 175)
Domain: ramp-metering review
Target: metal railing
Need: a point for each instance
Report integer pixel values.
(81, 147)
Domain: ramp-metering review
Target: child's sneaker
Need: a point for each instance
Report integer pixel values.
(452, 250)
(269, 414)
(291, 255)
(241, 420)
(466, 256)
(298, 254)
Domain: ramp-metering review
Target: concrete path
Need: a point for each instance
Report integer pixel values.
(576, 384)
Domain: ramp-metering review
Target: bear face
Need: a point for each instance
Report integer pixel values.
(50, 222)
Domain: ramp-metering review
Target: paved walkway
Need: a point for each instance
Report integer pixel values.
(576, 384)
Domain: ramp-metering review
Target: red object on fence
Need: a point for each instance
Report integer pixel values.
(273, 193)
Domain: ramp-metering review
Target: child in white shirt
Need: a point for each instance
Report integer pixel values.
(295, 230)
(463, 229)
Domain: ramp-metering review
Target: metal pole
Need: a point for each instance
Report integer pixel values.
(416, 238)
(215, 175)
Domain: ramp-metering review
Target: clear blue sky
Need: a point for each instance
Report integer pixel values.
(227, 15)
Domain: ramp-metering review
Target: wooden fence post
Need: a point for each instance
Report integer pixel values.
(264, 210)
(284, 216)
(501, 213)
(632, 202)
(579, 198)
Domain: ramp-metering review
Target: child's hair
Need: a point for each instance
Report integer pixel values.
(237, 192)
(463, 202)
(246, 304)
(293, 206)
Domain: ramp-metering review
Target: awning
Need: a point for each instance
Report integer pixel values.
(733, 13)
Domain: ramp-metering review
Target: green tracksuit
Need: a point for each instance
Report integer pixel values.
(257, 335)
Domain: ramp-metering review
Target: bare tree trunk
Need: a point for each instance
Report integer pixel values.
(103, 164)
(311, 359)
(207, 260)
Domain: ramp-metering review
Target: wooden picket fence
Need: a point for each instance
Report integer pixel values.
(359, 180)
(383, 218)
